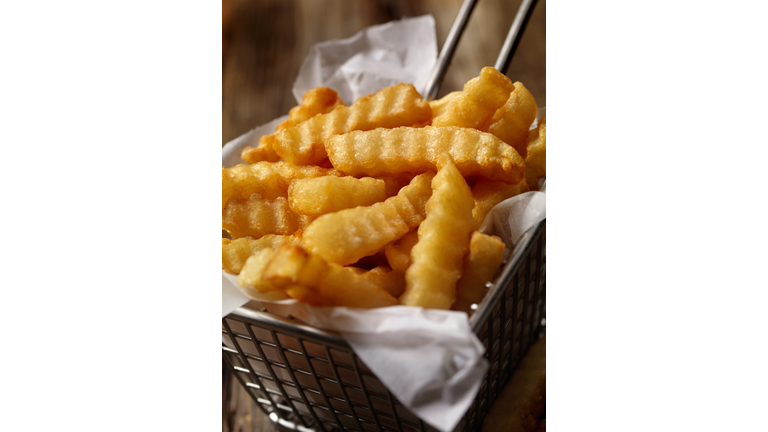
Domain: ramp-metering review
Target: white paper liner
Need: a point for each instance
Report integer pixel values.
(429, 359)
(376, 57)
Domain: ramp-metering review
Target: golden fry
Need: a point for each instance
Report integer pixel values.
(488, 194)
(438, 105)
(512, 121)
(478, 102)
(268, 179)
(250, 275)
(480, 264)
(436, 259)
(399, 105)
(308, 296)
(384, 277)
(341, 286)
(320, 100)
(399, 253)
(255, 216)
(415, 150)
(234, 253)
(264, 152)
(536, 155)
(316, 101)
(348, 235)
(321, 195)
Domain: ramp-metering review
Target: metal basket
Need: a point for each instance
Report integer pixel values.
(310, 379)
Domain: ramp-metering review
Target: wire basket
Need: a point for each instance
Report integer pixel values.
(309, 379)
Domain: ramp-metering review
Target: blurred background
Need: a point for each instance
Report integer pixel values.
(265, 42)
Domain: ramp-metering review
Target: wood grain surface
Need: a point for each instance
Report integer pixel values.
(265, 42)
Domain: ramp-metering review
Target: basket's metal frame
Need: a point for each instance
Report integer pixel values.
(309, 379)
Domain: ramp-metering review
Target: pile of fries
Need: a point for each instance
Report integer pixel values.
(378, 203)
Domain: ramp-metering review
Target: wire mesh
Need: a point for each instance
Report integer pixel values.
(308, 379)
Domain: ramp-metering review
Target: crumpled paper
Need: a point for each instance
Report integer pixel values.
(429, 359)
(376, 57)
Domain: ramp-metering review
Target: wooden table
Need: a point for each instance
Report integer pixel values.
(264, 45)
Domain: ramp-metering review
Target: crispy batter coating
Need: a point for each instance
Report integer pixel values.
(268, 179)
(348, 235)
(316, 101)
(321, 195)
(436, 259)
(255, 216)
(487, 194)
(478, 102)
(511, 122)
(394, 106)
(407, 150)
(234, 253)
(536, 155)
(480, 264)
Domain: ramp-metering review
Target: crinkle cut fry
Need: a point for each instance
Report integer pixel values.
(320, 195)
(250, 275)
(346, 236)
(394, 106)
(536, 155)
(478, 102)
(512, 121)
(316, 101)
(399, 253)
(234, 253)
(436, 259)
(485, 255)
(255, 216)
(268, 179)
(339, 286)
(319, 100)
(439, 105)
(488, 194)
(408, 150)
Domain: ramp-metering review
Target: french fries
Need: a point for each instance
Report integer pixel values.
(371, 204)
(436, 259)
(484, 258)
(536, 155)
(487, 194)
(316, 101)
(329, 194)
(325, 282)
(399, 105)
(399, 253)
(236, 252)
(348, 235)
(510, 123)
(478, 102)
(270, 180)
(255, 216)
(405, 150)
